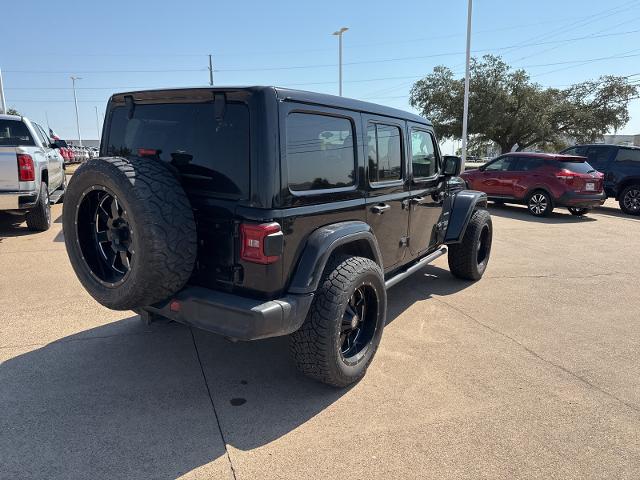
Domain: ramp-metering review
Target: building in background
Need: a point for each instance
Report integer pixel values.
(623, 140)
(85, 143)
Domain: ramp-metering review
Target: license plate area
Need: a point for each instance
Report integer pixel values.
(590, 187)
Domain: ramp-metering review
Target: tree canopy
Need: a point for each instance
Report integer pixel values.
(12, 111)
(507, 108)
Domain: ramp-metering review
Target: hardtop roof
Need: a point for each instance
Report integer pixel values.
(302, 96)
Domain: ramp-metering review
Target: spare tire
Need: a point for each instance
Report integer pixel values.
(129, 231)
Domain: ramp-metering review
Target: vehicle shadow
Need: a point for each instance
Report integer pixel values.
(615, 212)
(128, 400)
(517, 212)
(13, 226)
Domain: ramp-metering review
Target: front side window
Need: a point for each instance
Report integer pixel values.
(598, 156)
(501, 165)
(628, 155)
(423, 154)
(320, 153)
(385, 153)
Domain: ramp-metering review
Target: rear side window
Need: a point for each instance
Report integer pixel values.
(320, 153)
(385, 153)
(423, 154)
(14, 133)
(628, 155)
(526, 164)
(598, 156)
(576, 167)
(211, 155)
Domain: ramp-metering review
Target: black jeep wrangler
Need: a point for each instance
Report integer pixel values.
(257, 212)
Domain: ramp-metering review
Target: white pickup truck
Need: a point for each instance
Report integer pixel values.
(32, 175)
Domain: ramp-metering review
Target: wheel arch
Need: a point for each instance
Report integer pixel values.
(352, 237)
(457, 213)
(627, 182)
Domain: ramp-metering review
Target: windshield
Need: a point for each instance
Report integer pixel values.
(14, 133)
(211, 155)
(577, 167)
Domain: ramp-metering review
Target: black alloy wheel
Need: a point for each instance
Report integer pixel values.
(358, 324)
(105, 236)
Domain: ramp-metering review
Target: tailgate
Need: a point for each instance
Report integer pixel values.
(8, 169)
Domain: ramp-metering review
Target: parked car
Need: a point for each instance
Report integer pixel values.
(540, 181)
(621, 168)
(31, 171)
(257, 212)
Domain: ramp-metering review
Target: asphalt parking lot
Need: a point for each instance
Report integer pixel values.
(533, 372)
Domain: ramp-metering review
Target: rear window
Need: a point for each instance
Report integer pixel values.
(212, 156)
(14, 133)
(577, 167)
(628, 155)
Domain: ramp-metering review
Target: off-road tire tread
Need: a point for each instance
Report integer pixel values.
(310, 346)
(461, 255)
(37, 219)
(166, 217)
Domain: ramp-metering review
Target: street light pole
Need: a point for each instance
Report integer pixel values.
(97, 122)
(75, 100)
(3, 103)
(465, 113)
(210, 71)
(339, 35)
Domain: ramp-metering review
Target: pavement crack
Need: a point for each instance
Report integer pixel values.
(213, 406)
(541, 358)
(561, 277)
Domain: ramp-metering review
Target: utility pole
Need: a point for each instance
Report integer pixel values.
(465, 113)
(46, 115)
(339, 35)
(97, 122)
(75, 100)
(3, 103)
(210, 71)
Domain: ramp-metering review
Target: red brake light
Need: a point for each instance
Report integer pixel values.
(147, 152)
(252, 238)
(26, 169)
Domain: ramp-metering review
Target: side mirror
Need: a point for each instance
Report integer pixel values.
(452, 166)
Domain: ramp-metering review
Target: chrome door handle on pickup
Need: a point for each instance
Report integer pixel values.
(416, 200)
(380, 209)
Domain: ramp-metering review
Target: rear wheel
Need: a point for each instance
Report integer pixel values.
(630, 200)
(468, 259)
(540, 204)
(39, 217)
(578, 212)
(343, 328)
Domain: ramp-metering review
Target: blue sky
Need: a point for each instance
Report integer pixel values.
(116, 45)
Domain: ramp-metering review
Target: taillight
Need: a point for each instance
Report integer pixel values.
(566, 175)
(260, 243)
(26, 169)
(147, 152)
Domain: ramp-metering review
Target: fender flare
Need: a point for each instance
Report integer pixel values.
(462, 206)
(320, 246)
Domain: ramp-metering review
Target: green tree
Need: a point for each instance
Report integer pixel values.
(12, 111)
(506, 108)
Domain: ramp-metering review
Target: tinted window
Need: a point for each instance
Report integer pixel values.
(320, 152)
(385, 153)
(14, 133)
(423, 154)
(598, 156)
(577, 167)
(526, 164)
(501, 165)
(211, 155)
(628, 155)
(44, 138)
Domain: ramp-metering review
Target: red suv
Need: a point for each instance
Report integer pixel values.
(541, 181)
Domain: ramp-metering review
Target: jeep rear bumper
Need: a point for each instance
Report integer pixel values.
(235, 317)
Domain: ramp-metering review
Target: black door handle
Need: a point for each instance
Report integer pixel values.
(380, 209)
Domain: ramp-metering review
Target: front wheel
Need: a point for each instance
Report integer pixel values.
(578, 212)
(630, 200)
(342, 331)
(468, 259)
